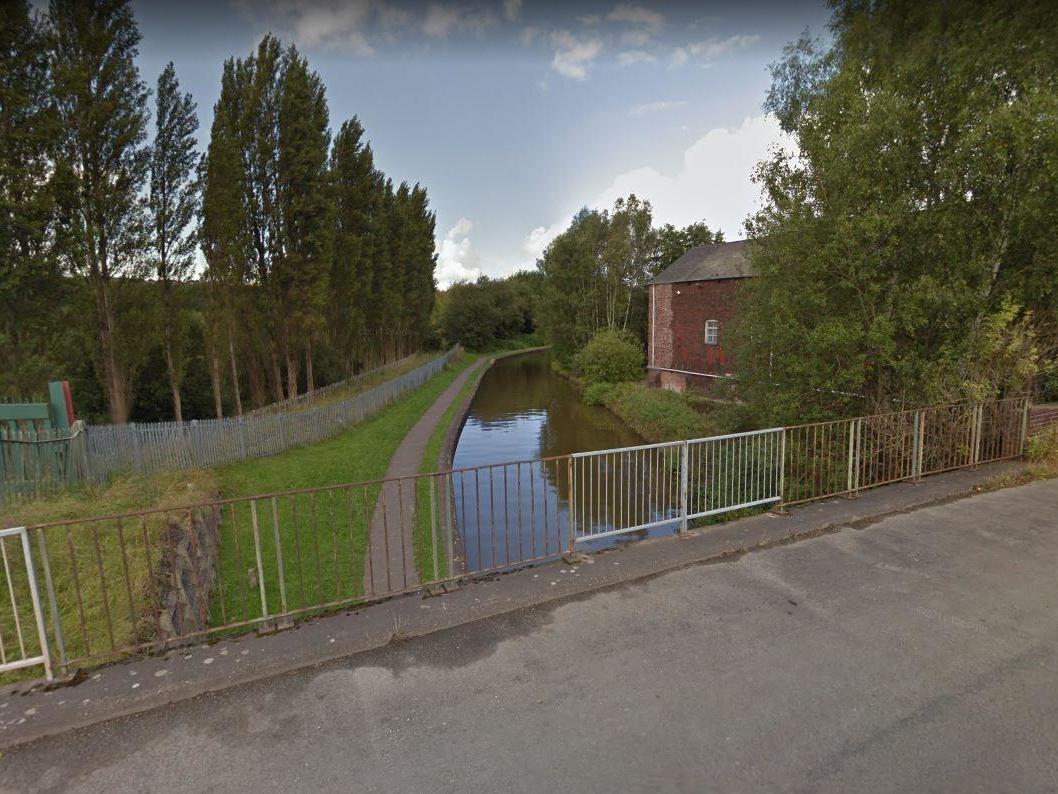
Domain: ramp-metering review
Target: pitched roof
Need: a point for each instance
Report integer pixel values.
(708, 262)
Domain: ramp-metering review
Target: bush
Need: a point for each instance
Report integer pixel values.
(598, 393)
(611, 356)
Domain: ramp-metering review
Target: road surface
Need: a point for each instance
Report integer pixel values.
(919, 653)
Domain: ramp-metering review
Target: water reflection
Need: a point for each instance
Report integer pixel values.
(523, 411)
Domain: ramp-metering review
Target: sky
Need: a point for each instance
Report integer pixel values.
(513, 113)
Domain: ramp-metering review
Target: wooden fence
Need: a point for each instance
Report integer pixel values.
(94, 453)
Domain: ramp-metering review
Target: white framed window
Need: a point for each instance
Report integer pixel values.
(712, 332)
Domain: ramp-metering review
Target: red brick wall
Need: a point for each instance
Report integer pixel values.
(659, 332)
(1041, 416)
(692, 304)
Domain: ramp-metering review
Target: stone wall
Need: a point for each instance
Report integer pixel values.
(187, 574)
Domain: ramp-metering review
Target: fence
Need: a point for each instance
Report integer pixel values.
(310, 397)
(94, 453)
(120, 584)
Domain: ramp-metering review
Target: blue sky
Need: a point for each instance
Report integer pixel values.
(515, 114)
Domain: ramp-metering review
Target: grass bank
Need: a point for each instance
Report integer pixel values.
(323, 536)
(101, 572)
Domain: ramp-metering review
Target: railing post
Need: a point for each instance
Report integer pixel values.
(34, 595)
(781, 508)
(1024, 427)
(916, 448)
(975, 452)
(433, 528)
(53, 604)
(257, 552)
(572, 508)
(281, 570)
(850, 484)
(684, 490)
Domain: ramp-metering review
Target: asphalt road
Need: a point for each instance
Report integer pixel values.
(917, 654)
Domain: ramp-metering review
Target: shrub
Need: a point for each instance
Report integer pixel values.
(611, 356)
(598, 393)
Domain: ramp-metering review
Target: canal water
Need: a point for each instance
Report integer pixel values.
(523, 413)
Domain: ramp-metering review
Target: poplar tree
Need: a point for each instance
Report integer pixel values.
(357, 196)
(173, 203)
(223, 231)
(102, 161)
(30, 328)
(302, 265)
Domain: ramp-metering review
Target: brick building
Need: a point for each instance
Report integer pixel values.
(691, 306)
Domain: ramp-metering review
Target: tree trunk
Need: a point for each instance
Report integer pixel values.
(234, 369)
(113, 374)
(292, 374)
(214, 376)
(277, 375)
(310, 383)
(174, 383)
(258, 376)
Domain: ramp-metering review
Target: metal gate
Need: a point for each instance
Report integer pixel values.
(18, 645)
(614, 491)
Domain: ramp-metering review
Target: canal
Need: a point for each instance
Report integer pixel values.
(512, 502)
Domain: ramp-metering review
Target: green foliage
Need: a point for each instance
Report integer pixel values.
(598, 393)
(594, 275)
(32, 307)
(101, 167)
(611, 356)
(656, 414)
(908, 255)
(672, 243)
(480, 314)
(173, 203)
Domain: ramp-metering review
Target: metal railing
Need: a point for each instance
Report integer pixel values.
(115, 585)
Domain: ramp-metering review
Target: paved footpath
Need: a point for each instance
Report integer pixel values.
(391, 558)
(917, 653)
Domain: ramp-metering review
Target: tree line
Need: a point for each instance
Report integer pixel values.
(278, 259)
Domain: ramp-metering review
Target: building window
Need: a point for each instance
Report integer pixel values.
(712, 332)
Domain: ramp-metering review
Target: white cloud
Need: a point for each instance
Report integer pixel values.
(540, 237)
(715, 181)
(511, 9)
(630, 57)
(634, 38)
(326, 23)
(573, 55)
(444, 19)
(530, 34)
(653, 107)
(712, 48)
(456, 258)
(636, 15)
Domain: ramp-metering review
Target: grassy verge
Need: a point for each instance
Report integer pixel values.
(429, 521)
(101, 572)
(1041, 455)
(322, 537)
